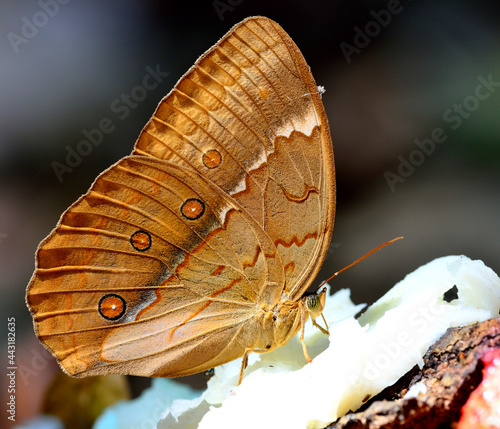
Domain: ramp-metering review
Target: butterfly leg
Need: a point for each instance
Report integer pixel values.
(325, 331)
(244, 362)
(303, 319)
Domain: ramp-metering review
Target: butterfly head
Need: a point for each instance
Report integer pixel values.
(315, 303)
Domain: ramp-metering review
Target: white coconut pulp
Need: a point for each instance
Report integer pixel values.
(360, 358)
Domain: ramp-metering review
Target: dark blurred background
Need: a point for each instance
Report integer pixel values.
(393, 71)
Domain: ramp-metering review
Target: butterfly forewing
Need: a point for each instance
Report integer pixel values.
(253, 99)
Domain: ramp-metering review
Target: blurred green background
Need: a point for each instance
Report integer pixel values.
(394, 72)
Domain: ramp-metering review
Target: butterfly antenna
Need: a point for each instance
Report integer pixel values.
(360, 259)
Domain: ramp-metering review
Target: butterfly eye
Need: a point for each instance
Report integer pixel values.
(112, 306)
(212, 158)
(141, 240)
(312, 302)
(193, 208)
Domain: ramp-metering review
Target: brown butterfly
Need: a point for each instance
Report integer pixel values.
(199, 247)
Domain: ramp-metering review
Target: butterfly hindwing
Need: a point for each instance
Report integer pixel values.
(181, 275)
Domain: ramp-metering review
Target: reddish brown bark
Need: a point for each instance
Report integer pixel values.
(452, 370)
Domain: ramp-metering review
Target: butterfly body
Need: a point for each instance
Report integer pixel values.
(199, 247)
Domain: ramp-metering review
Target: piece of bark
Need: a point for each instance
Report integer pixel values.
(452, 370)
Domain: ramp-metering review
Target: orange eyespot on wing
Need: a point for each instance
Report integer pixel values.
(112, 306)
(141, 241)
(193, 208)
(212, 158)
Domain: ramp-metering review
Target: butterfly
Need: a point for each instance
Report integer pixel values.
(199, 247)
